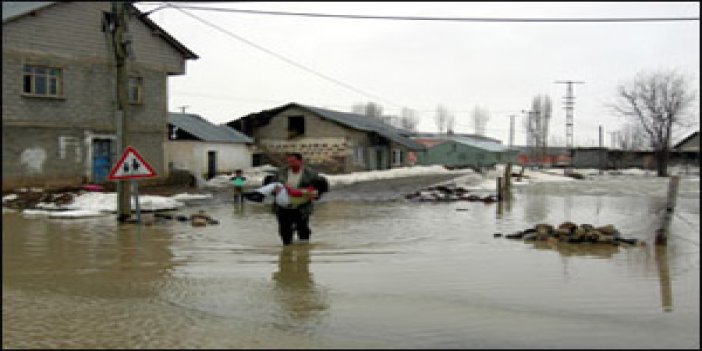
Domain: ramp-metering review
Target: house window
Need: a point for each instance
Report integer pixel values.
(135, 88)
(42, 81)
(396, 157)
(296, 126)
(358, 156)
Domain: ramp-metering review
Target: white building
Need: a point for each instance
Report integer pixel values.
(204, 148)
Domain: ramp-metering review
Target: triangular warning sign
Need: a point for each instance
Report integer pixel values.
(131, 165)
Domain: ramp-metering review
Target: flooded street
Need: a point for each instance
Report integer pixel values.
(380, 272)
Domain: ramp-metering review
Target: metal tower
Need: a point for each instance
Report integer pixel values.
(569, 102)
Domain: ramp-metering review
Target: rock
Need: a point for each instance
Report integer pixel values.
(517, 235)
(561, 233)
(543, 228)
(587, 227)
(530, 236)
(198, 222)
(608, 229)
(569, 226)
(552, 240)
(497, 235)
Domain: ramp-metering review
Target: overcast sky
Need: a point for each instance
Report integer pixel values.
(419, 64)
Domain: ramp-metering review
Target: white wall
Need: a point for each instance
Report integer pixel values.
(192, 155)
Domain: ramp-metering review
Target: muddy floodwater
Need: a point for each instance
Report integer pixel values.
(380, 272)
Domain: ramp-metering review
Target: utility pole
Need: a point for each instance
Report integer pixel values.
(511, 131)
(601, 150)
(121, 52)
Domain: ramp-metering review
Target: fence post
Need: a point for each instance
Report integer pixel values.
(662, 232)
(499, 188)
(508, 176)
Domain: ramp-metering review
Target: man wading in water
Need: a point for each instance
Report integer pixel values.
(303, 185)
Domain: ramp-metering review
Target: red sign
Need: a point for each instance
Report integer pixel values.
(131, 165)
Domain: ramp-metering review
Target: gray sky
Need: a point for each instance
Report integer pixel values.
(418, 64)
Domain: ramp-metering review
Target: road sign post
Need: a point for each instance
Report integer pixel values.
(132, 166)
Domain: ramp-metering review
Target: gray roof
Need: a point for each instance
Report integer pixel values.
(369, 125)
(206, 131)
(484, 143)
(14, 9)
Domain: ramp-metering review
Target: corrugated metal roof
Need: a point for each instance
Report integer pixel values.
(367, 124)
(482, 144)
(206, 131)
(14, 9)
(478, 142)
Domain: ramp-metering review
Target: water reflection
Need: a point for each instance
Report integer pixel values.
(96, 258)
(661, 254)
(578, 249)
(295, 290)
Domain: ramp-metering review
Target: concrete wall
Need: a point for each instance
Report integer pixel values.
(68, 36)
(326, 145)
(192, 155)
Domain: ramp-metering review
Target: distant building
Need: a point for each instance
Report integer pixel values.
(687, 151)
(59, 125)
(463, 151)
(203, 148)
(330, 141)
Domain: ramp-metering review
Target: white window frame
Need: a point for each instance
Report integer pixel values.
(358, 155)
(51, 74)
(397, 157)
(139, 86)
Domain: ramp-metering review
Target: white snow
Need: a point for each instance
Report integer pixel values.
(187, 196)
(91, 204)
(9, 197)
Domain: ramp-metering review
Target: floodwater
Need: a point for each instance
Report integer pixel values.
(380, 272)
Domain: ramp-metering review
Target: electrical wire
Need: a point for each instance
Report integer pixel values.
(281, 57)
(445, 19)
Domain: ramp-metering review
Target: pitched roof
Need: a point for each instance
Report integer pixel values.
(350, 120)
(15, 9)
(206, 131)
(681, 142)
(12, 10)
(484, 143)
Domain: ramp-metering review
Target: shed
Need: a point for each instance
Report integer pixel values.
(204, 148)
(463, 151)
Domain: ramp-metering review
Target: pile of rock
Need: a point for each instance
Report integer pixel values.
(199, 219)
(448, 193)
(572, 233)
(29, 198)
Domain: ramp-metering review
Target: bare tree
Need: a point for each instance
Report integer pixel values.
(409, 119)
(450, 123)
(632, 137)
(536, 125)
(370, 109)
(658, 101)
(480, 118)
(441, 118)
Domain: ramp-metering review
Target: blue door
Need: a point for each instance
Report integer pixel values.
(101, 160)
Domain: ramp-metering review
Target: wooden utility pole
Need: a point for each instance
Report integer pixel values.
(601, 149)
(121, 52)
(662, 232)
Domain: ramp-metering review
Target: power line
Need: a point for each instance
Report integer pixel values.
(447, 19)
(281, 57)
